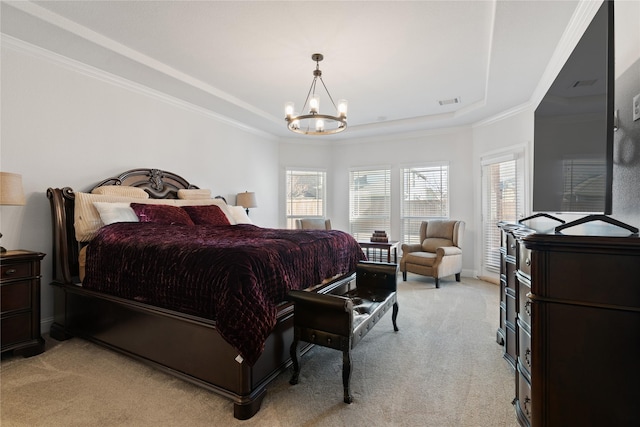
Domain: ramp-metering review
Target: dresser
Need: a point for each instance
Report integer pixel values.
(20, 302)
(577, 328)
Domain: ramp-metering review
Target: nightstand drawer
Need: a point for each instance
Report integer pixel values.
(12, 271)
(16, 329)
(15, 296)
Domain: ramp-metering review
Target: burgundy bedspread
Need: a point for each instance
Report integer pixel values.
(235, 275)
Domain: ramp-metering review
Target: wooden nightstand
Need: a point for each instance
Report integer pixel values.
(20, 302)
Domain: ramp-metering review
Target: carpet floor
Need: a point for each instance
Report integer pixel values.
(443, 368)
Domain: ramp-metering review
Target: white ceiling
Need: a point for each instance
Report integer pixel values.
(392, 60)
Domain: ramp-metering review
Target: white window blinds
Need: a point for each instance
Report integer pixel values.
(305, 195)
(503, 188)
(369, 202)
(425, 194)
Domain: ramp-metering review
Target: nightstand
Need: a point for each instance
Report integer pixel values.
(20, 302)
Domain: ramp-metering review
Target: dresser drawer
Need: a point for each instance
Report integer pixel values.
(524, 304)
(12, 271)
(524, 349)
(16, 329)
(523, 399)
(524, 260)
(15, 296)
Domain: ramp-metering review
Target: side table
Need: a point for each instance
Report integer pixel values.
(378, 248)
(20, 302)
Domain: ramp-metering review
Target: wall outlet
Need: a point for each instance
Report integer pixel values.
(636, 107)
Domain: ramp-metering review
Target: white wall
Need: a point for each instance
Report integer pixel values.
(63, 127)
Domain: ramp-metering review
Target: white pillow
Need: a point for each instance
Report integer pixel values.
(239, 215)
(115, 212)
(194, 193)
(121, 190)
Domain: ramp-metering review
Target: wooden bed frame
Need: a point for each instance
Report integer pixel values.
(182, 345)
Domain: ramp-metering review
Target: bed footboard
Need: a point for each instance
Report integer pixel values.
(188, 347)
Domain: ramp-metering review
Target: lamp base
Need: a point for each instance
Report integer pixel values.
(2, 250)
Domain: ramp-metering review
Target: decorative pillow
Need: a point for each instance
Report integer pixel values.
(206, 215)
(239, 215)
(207, 202)
(115, 212)
(161, 214)
(194, 193)
(121, 190)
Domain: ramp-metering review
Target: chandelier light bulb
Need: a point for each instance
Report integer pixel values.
(342, 108)
(288, 109)
(314, 104)
(319, 125)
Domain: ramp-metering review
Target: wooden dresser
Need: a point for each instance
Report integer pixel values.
(20, 302)
(577, 328)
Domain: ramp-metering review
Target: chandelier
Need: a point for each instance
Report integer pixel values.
(315, 123)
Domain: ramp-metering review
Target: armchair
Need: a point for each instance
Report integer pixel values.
(440, 252)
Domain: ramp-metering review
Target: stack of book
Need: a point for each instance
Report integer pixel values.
(379, 236)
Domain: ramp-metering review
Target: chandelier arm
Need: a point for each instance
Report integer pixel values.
(325, 88)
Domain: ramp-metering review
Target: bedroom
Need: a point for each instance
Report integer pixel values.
(64, 123)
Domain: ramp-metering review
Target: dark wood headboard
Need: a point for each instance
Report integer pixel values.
(157, 183)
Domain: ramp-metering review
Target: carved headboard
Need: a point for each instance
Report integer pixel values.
(157, 183)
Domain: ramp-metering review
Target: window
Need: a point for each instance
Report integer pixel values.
(425, 194)
(503, 200)
(369, 202)
(306, 195)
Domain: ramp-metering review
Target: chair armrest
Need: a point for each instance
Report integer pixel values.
(331, 314)
(374, 276)
(448, 250)
(321, 301)
(412, 247)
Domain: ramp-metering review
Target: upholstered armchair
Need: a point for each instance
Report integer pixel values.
(313, 224)
(439, 253)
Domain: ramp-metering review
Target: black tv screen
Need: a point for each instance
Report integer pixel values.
(573, 128)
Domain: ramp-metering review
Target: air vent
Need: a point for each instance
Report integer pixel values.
(449, 101)
(583, 83)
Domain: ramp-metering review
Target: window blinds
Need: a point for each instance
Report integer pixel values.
(425, 194)
(369, 202)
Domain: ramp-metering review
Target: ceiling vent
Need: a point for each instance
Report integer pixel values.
(584, 83)
(449, 101)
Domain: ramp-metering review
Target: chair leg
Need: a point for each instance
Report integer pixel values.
(394, 316)
(437, 283)
(346, 374)
(295, 356)
(404, 276)
(457, 277)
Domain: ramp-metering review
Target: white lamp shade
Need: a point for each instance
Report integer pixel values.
(11, 192)
(247, 200)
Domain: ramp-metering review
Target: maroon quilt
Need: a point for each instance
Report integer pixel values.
(235, 275)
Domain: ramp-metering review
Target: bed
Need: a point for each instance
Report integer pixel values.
(203, 300)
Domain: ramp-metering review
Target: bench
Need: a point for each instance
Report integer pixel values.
(341, 321)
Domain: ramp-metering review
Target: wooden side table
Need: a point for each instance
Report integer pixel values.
(20, 302)
(378, 248)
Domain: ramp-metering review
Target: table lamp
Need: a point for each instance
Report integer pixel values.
(247, 200)
(11, 193)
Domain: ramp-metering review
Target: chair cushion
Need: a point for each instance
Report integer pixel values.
(431, 244)
(420, 258)
(441, 229)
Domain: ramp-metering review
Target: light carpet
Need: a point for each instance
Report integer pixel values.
(443, 368)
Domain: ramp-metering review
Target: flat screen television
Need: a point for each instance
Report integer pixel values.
(573, 127)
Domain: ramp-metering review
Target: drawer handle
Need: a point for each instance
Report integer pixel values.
(527, 401)
(527, 307)
(527, 357)
(10, 271)
(528, 262)
(512, 246)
